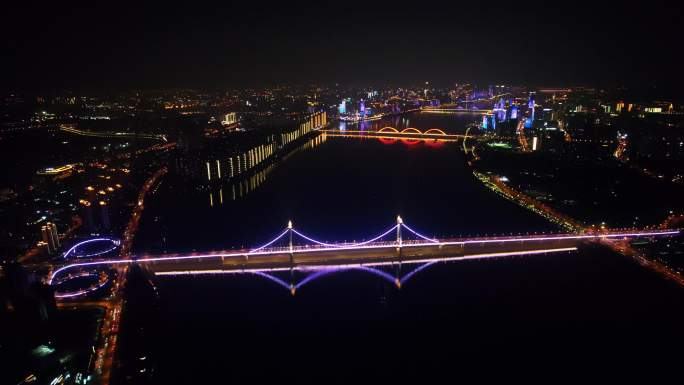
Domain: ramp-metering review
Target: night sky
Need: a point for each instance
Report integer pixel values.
(113, 45)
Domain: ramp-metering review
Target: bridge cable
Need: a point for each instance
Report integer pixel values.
(270, 243)
(345, 244)
(420, 235)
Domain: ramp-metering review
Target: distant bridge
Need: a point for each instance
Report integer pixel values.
(114, 135)
(403, 247)
(410, 133)
(453, 109)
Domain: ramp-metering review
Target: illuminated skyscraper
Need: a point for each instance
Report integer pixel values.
(342, 108)
(229, 118)
(528, 123)
(54, 234)
(362, 108)
(45, 236)
(530, 105)
(48, 234)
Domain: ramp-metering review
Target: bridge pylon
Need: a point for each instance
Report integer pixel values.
(289, 230)
(399, 240)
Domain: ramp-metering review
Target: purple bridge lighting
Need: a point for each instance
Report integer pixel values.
(112, 244)
(292, 250)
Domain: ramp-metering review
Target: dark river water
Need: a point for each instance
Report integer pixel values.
(586, 315)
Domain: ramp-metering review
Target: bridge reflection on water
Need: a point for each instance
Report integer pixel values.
(395, 277)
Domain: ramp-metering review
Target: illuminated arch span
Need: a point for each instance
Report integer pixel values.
(411, 130)
(388, 129)
(435, 131)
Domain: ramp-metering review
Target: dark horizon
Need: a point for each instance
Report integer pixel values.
(95, 47)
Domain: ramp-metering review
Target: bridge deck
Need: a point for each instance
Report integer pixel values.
(396, 135)
(377, 255)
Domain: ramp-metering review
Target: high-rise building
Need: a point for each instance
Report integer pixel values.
(45, 236)
(55, 235)
(530, 103)
(49, 236)
(229, 118)
(528, 123)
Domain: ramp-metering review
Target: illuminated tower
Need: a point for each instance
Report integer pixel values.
(342, 107)
(501, 110)
(362, 108)
(530, 105)
(514, 112)
(53, 234)
(46, 237)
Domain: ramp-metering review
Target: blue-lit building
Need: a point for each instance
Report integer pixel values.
(530, 105)
(528, 123)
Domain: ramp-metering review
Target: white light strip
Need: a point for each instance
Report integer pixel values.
(353, 265)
